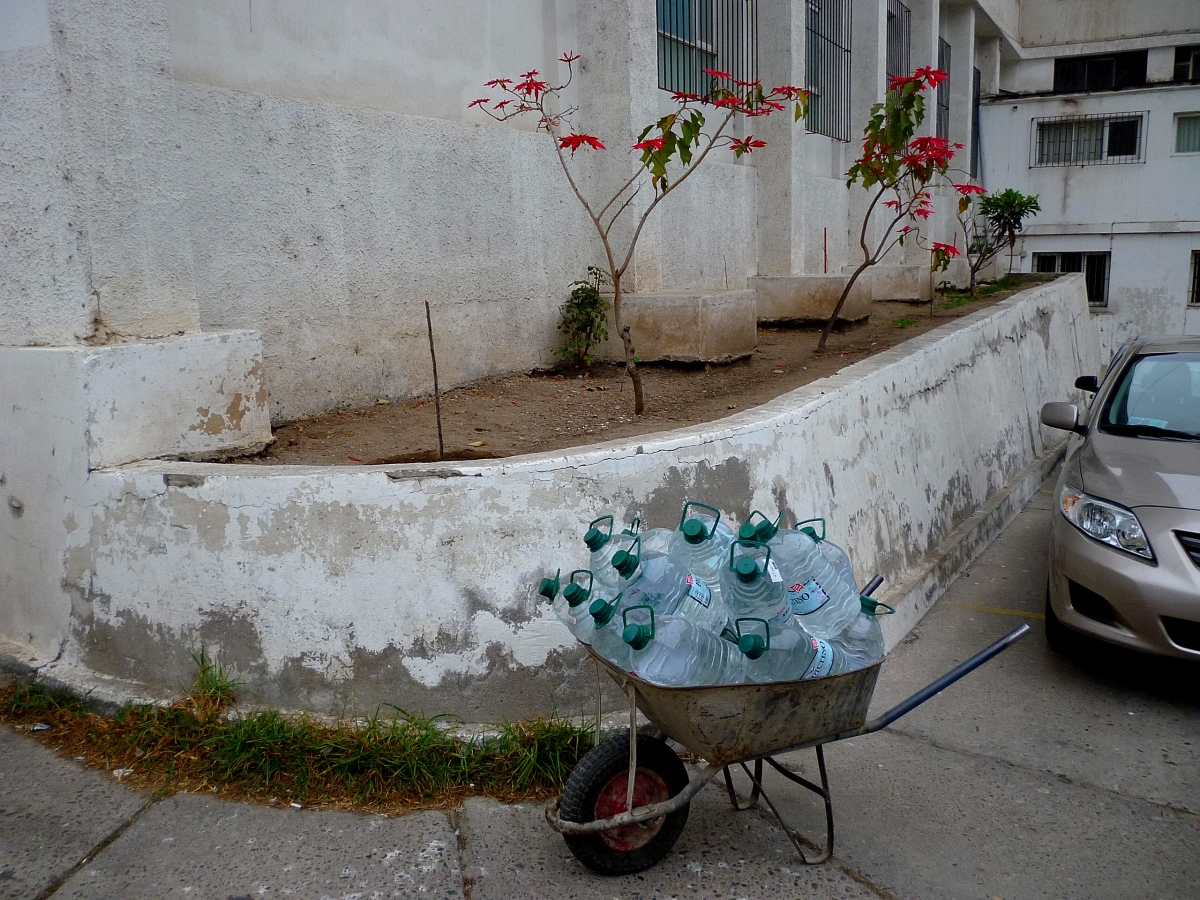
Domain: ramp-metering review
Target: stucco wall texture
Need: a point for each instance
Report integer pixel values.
(338, 590)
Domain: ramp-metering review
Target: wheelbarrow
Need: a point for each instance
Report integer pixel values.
(626, 802)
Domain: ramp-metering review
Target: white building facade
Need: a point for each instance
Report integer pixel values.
(1098, 113)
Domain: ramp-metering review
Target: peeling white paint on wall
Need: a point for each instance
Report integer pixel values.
(343, 588)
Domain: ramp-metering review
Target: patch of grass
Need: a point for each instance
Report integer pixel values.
(905, 321)
(385, 764)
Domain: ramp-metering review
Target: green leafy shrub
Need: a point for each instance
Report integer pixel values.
(584, 318)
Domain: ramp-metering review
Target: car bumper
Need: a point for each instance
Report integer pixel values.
(1139, 591)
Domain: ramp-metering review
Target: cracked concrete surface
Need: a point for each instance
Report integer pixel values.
(1036, 776)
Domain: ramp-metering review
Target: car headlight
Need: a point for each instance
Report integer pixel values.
(1106, 522)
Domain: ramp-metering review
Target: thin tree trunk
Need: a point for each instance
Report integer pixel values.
(974, 284)
(841, 302)
(437, 393)
(635, 375)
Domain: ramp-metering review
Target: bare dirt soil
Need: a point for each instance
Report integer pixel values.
(539, 411)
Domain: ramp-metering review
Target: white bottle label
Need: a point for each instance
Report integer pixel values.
(699, 591)
(806, 598)
(773, 571)
(822, 661)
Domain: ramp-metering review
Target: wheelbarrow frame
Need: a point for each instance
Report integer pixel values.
(854, 689)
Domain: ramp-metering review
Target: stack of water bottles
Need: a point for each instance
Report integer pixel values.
(706, 605)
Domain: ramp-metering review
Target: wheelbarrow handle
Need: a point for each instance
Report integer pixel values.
(936, 687)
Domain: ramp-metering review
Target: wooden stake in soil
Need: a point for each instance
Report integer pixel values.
(437, 394)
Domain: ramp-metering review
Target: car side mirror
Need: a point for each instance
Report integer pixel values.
(1089, 383)
(1061, 415)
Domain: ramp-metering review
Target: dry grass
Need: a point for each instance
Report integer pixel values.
(387, 765)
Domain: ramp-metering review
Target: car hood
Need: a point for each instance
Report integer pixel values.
(1141, 471)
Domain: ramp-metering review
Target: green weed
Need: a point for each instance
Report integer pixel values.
(904, 321)
(385, 763)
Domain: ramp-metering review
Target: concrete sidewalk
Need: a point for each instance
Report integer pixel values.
(1037, 776)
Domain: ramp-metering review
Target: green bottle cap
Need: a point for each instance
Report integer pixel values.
(747, 532)
(549, 587)
(602, 611)
(575, 593)
(636, 636)
(811, 532)
(752, 645)
(625, 562)
(746, 569)
(595, 539)
(694, 531)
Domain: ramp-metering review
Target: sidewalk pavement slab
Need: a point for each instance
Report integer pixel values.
(193, 846)
(53, 812)
(510, 853)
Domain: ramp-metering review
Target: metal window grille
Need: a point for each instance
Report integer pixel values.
(899, 40)
(827, 67)
(976, 144)
(1194, 287)
(943, 91)
(1101, 140)
(694, 35)
(1187, 133)
(1187, 63)
(1094, 267)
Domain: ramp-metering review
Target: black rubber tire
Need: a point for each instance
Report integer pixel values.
(592, 773)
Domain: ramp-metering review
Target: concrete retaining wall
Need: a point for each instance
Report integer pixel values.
(338, 589)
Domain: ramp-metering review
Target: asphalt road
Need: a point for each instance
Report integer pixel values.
(1036, 776)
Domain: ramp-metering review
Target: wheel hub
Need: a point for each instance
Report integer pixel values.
(648, 787)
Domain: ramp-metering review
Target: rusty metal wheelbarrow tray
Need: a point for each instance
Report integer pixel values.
(726, 725)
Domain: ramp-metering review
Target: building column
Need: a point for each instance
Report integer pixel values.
(926, 28)
(780, 61)
(958, 29)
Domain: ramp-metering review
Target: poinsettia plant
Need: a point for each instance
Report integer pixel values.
(899, 168)
(669, 151)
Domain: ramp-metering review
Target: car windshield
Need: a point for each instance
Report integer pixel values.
(1158, 397)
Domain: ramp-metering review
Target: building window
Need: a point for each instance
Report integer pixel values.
(1187, 133)
(899, 40)
(943, 91)
(827, 67)
(1194, 286)
(976, 144)
(1187, 63)
(1104, 72)
(1094, 267)
(694, 35)
(1088, 140)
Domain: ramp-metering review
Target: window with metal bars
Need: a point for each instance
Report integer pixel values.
(976, 144)
(1100, 140)
(943, 91)
(1094, 267)
(694, 35)
(827, 67)
(1194, 287)
(899, 40)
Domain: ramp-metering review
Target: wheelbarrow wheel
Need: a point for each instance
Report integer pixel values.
(596, 789)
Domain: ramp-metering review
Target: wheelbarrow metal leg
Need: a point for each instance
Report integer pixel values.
(798, 841)
(737, 802)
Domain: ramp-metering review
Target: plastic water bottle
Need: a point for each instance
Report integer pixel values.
(607, 631)
(787, 653)
(701, 544)
(751, 584)
(860, 643)
(659, 581)
(823, 602)
(832, 552)
(602, 544)
(673, 652)
(571, 606)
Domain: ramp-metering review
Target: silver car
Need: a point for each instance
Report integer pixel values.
(1125, 543)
